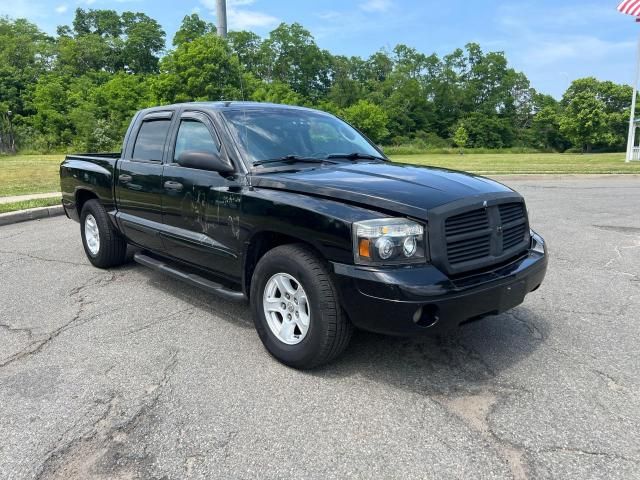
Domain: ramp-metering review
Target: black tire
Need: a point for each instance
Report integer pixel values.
(329, 328)
(112, 250)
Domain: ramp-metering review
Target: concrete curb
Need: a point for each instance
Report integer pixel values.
(31, 196)
(30, 214)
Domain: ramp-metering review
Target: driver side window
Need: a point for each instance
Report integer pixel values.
(194, 136)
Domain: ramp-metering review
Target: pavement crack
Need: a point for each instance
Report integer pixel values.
(474, 410)
(620, 229)
(616, 250)
(11, 329)
(103, 450)
(581, 451)
(612, 382)
(529, 325)
(44, 259)
(158, 321)
(37, 346)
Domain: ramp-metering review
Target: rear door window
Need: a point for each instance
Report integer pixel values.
(150, 141)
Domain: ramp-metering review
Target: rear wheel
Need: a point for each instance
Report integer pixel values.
(295, 308)
(104, 246)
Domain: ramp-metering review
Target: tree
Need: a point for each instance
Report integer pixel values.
(487, 131)
(202, 69)
(80, 87)
(409, 61)
(117, 100)
(104, 40)
(247, 47)
(544, 133)
(461, 136)
(594, 113)
(104, 23)
(192, 27)
(85, 53)
(368, 118)
(49, 101)
(25, 55)
(144, 41)
(291, 56)
(346, 89)
(94, 43)
(276, 92)
(584, 122)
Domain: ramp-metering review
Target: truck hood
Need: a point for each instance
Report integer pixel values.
(408, 189)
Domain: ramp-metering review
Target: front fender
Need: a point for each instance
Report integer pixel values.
(324, 224)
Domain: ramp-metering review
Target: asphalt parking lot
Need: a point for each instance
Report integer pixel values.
(125, 374)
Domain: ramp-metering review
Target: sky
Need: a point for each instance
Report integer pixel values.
(551, 41)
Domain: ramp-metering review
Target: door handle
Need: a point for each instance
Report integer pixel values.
(174, 186)
(124, 178)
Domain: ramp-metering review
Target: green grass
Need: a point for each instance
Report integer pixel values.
(409, 149)
(23, 205)
(24, 174)
(526, 163)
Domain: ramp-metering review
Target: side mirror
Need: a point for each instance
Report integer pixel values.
(211, 161)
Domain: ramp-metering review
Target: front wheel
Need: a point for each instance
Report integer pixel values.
(295, 308)
(104, 246)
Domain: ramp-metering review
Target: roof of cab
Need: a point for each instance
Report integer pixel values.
(229, 105)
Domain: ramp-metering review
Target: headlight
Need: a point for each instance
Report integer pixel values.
(388, 241)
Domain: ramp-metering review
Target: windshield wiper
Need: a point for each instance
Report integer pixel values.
(289, 159)
(356, 156)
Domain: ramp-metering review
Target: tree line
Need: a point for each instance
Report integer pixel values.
(77, 90)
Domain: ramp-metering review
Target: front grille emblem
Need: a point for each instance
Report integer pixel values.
(484, 204)
(499, 230)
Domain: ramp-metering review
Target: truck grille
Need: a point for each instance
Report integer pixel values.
(513, 220)
(467, 222)
(471, 249)
(481, 237)
(468, 236)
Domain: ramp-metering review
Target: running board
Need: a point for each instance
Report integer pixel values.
(190, 278)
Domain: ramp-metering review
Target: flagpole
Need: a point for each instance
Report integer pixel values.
(631, 140)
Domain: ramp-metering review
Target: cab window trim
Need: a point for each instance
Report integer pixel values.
(165, 115)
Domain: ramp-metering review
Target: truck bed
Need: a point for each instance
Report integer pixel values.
(89, 173)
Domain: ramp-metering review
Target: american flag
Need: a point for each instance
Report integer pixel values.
(630, 7)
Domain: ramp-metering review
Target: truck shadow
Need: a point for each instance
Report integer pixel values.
(468, 359)
(237, 314)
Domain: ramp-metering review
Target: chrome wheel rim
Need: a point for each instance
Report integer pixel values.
(286, 307)
(91, 234)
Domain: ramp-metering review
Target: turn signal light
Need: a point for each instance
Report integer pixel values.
(364, 248)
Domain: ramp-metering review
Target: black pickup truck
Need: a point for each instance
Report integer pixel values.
(297, 212)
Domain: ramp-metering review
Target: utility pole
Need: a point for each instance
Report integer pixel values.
(221, 17)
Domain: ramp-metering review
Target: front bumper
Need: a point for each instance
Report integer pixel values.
(421, 299)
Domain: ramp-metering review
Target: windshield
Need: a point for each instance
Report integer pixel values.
(270, 134)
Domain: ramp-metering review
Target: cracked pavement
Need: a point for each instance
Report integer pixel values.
(126, 374)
